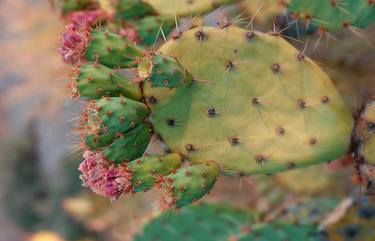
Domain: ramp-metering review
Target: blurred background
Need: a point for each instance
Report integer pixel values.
(41, 197)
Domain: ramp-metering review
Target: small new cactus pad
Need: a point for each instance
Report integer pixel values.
(146, 171)
(256, 105)
(148, 28)
(364, 134)
(280, 231)
(190, 184)
(111, 180)
(334, 15)
(184, 7)
(94, 81)
(112, 50)
(117, 127)
(202, 222)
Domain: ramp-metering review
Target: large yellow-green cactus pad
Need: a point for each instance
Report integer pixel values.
(184, 7)
(256, 105)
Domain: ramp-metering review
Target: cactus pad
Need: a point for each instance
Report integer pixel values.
(365, 133)
(116, 126)
(189, 184)
(256, 106)
(335, 15)
(183, 7)
(199, 223)
(95, 81)
(133, 9)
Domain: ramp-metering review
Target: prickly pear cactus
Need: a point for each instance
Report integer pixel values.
(199, 223)
(230, 101)
(334, 15)
(250, 90)
(364, 133)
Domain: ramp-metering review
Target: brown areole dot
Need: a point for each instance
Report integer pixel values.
(189, 147)
(325, 99)
(201, 36)
(313, 141)
(280, 131)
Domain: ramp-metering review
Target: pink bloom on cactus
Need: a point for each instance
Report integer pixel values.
(86, 18)
(73, 43)
(130, 33)
(103, 177)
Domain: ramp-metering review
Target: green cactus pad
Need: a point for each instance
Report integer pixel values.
(335, 15)
(147, 170)
(202, 222)
(148, 28)
(279, 231)
(256, 106)
(117, 125)
(183, 7)
(164, 71)
(95, 81)
(75, 5)
(129, 146)
(364, 133)
(112, 50)
(189, 184)
(133, 9)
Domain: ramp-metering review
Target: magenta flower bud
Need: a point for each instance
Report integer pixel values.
(103, 177)
(73, 43)
(86, 18)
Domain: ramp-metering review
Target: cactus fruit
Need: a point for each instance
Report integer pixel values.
(334, 15)
(229, 116)
(201, 222)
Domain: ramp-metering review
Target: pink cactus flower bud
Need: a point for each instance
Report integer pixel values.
(130, 33)
(103, 177)
(86, 18)
(73, 43)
